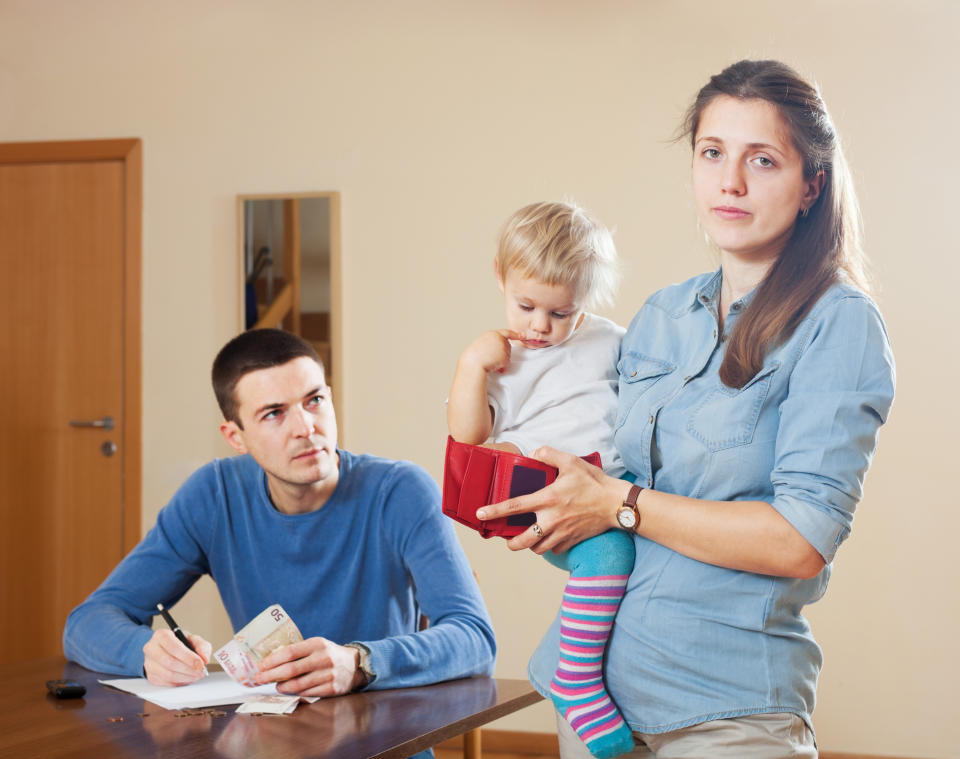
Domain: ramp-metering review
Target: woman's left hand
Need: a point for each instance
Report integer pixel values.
(580, 503)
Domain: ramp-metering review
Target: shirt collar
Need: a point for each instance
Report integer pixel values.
(709, 294)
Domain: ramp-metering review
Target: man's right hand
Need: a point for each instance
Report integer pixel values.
(166, 661)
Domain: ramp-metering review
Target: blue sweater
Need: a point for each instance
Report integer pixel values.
(362, 568)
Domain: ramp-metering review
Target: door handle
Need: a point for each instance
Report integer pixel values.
(104, 424)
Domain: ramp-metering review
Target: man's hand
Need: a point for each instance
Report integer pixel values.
(166, 661)
(312, 667)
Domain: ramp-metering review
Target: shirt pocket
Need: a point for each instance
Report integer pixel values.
(727, 416)
(638, 373)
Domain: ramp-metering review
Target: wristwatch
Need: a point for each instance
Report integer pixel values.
(365, 665)
(628, 515)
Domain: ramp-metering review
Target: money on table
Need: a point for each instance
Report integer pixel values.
(269, 705)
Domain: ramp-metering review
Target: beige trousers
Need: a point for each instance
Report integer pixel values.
(757, 736)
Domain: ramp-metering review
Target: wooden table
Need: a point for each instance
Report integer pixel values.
(385, 724)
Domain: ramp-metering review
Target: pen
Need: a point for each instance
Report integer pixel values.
(178, 632)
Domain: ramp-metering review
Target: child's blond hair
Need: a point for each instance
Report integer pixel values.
(561, 244)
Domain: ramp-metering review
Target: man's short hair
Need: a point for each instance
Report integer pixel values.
(561, 244)
(248, 352)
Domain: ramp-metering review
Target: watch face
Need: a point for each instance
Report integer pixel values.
(627, 518)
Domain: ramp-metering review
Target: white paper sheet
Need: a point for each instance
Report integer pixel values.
(216, 689)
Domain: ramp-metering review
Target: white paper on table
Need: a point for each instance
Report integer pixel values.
(216, 689)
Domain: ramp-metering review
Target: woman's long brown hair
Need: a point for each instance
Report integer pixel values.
(825, 244)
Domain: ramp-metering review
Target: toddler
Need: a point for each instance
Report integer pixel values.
(550, 378)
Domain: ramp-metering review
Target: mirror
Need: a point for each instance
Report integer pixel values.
(290, 272)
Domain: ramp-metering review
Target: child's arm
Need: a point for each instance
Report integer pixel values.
(469, 416)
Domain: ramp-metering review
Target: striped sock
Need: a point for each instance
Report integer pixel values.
(590, 603)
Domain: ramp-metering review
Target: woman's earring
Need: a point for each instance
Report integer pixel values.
(804, 212)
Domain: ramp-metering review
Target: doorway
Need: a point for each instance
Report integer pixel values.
(70, 443)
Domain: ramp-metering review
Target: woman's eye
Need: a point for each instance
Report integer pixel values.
(711, 153)
(525, 307)
(555, 315)
(763, 162)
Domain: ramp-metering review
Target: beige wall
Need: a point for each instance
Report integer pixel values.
(435, 119)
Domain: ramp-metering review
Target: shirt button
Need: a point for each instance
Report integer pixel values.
(633, 374)
(651, 418)
(735, 307)
(649, 482)
(687, 378)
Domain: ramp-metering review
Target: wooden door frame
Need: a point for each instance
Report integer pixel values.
(129, 152)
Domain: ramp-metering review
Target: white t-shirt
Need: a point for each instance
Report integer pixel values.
(564, 396)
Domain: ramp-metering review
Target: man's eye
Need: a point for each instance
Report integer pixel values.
(272, 414)
(315, 400)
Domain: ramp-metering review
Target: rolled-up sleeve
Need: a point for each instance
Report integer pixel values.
(841, 390)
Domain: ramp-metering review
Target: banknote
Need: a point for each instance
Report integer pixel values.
(269, 705)
(266, 632)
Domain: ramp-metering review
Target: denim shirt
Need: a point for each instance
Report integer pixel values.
(693, 641)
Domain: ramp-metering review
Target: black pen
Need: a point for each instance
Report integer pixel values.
(178, 632)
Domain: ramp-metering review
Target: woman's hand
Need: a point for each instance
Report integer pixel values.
(580, 503)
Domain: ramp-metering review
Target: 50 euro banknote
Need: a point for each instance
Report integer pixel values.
(265, 633)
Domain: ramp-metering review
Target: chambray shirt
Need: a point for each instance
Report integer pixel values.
(694, 642)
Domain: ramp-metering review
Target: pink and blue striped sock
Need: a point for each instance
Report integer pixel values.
(599, 568)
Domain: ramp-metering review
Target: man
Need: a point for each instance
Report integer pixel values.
(353, 547)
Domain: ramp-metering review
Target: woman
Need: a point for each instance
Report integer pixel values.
(750, 400)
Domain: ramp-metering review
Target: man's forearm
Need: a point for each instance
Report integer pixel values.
(103, 638)
(453, 648)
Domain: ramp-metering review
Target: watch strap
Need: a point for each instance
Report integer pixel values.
(630, 504)
(633, 495)
(365, 665)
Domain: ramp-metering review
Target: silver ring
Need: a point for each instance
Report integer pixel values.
(537, 530)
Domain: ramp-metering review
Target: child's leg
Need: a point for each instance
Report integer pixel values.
(598, 568)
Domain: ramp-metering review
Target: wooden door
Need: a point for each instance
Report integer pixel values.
(69, 353)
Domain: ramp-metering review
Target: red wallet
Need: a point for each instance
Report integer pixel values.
(474, 476)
